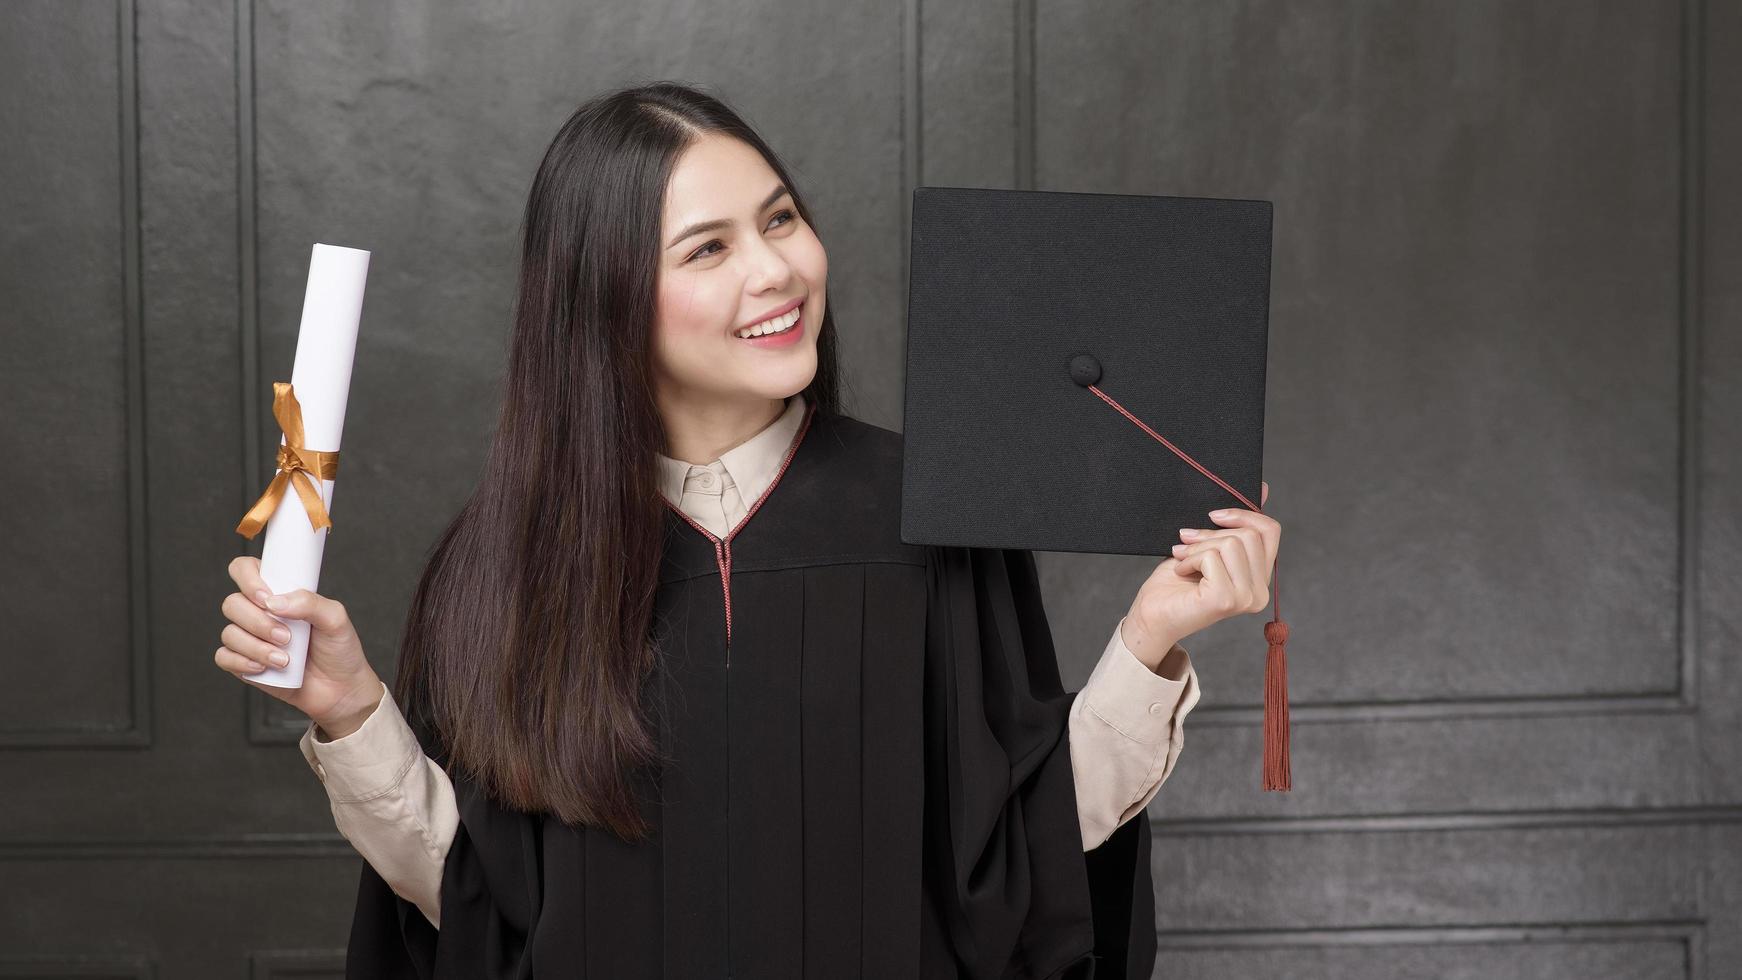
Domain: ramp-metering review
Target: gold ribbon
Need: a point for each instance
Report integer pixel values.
(295, 463)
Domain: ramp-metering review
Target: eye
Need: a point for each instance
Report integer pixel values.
(704, 253)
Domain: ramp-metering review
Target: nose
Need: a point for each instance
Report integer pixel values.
(770, 271)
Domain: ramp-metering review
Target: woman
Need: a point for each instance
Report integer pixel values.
(677, 700)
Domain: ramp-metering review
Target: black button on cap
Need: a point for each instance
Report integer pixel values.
(1085, 370)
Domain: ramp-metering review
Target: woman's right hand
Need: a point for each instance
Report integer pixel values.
(339, 688)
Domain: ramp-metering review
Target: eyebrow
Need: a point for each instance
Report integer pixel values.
(701, 226)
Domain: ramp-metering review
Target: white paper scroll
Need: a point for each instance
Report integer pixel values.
(326, 345)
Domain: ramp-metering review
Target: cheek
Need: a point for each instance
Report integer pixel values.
(686, 310)
(813, 260)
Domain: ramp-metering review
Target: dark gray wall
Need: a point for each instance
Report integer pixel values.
(1504, 419)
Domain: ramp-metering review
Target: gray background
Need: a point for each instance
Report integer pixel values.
(1502, 434)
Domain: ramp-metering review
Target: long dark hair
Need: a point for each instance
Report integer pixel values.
(527, 643)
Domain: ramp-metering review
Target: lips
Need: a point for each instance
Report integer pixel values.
(771, 314)
(783, 339)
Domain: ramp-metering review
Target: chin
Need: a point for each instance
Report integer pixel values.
(789, 379)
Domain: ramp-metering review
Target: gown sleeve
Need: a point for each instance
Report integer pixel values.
(1005, 867)
(489, 894)
(391, 938)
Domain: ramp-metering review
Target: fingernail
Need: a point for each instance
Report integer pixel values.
(1220, 513)
(1186, 532)
(261, 596)
(276, 602)
(1178, 548)
(280, 659)
(280, 634)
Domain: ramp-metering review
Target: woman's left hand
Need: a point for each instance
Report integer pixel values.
(1218, 573)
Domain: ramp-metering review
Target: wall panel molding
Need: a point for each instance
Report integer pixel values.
(135, 731)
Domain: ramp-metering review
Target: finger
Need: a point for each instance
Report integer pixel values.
(317, 610)
(1241, 529)
(1193, 562)
(1208, 540)
(1213, 585)
(1269, 530)
(1236, 546)
(240, 641)
(235, 663)
(1221, 593)
(1233, 554)
(1184, 551)
(245, 572)
(1255, 572)
(1241, 517)
(255, 620)
(1199, 535)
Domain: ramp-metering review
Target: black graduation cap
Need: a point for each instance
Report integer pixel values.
(1085, 372)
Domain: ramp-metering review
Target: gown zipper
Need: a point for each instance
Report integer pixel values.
(723, 561)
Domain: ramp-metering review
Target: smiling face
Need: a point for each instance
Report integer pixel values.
(752, 256)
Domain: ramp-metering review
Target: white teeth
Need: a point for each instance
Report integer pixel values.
(771, 325)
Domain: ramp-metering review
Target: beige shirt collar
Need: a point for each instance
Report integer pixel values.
(751, 465)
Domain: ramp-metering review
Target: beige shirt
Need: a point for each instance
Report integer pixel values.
(397, 808)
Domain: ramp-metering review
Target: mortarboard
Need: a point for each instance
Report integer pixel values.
(1086, 372)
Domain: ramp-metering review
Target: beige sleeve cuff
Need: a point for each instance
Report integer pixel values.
(391, 801)
(1127, 727)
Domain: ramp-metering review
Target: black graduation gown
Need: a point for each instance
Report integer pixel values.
(873, 777)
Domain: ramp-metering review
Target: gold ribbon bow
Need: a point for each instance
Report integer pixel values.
(295, 463)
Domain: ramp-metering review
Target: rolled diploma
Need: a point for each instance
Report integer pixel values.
(326, 346)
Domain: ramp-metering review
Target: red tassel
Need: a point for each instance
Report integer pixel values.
(1276, 775)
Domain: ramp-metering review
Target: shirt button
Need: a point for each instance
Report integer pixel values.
(1157, 708)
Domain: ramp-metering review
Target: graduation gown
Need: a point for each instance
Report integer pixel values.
(872, 777)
